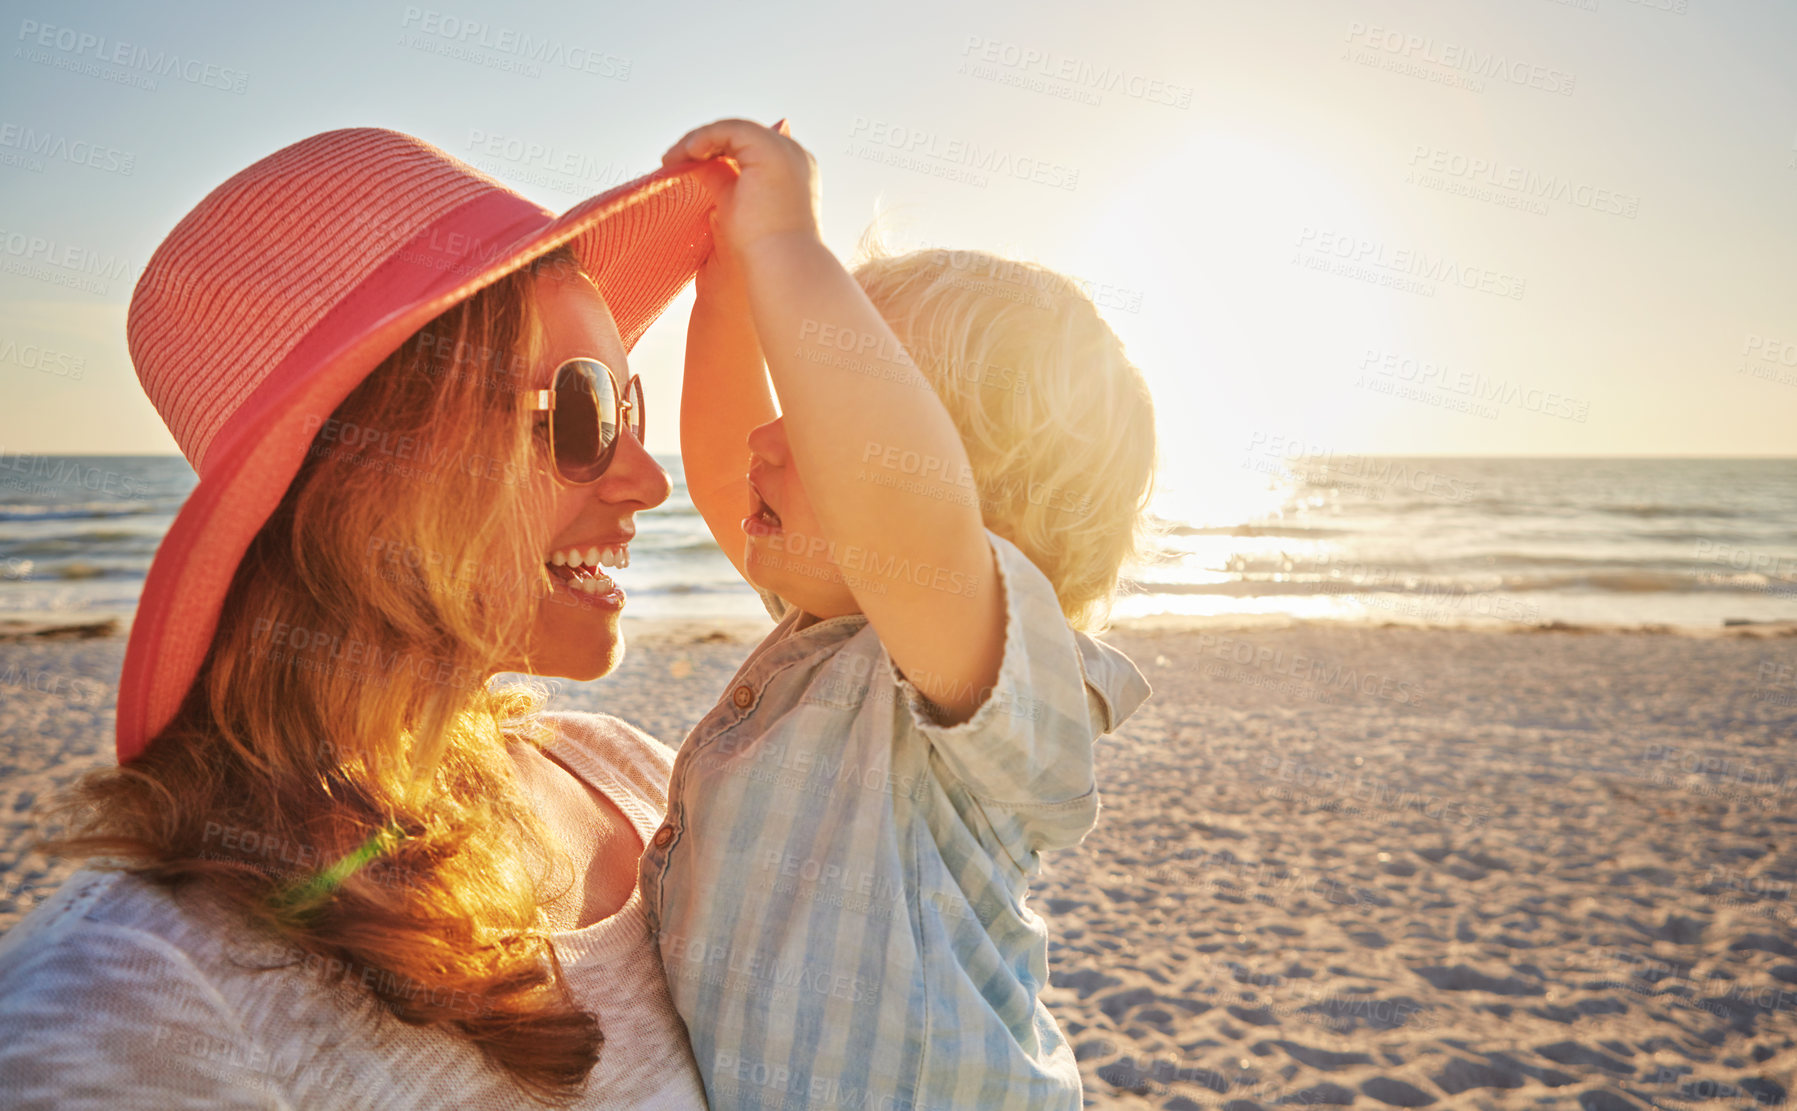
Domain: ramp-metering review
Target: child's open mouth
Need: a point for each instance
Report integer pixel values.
(762, 520)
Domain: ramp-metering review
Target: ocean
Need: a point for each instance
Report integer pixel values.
(1444, 541)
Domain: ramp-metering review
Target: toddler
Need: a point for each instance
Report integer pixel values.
(959, 471)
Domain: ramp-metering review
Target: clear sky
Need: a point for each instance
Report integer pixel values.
(1465, 227)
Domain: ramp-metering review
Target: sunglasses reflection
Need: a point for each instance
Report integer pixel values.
(586, 409)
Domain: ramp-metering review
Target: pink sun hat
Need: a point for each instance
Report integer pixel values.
(282, 289)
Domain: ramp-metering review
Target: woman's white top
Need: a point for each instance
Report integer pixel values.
(115, 994)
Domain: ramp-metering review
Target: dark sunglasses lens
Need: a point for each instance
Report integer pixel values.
(586, 410)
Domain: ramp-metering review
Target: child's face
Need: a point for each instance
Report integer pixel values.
(785, 550)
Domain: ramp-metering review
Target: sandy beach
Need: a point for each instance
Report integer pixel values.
(1345, 866)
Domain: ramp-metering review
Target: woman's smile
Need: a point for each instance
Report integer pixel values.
(575, 568)
(576, 634)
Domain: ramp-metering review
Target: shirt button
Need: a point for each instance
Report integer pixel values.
(663, 836)
(742, 696)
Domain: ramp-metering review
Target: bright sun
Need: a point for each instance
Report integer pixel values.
(1248, 353)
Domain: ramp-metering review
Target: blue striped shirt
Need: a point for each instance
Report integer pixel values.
(839, 888)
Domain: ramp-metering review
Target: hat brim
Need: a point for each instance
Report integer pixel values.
(641, 243)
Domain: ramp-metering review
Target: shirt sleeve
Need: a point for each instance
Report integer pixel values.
(1026, 753)
(1116, 685)
(114, 1018)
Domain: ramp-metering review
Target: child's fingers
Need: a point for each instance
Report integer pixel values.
(730, 138)
(704, 142)
(694, 146)
(677, 153)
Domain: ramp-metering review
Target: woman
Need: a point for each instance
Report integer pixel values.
(335, 868)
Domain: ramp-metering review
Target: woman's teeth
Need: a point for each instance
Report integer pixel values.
(580, 569)
(617, 555)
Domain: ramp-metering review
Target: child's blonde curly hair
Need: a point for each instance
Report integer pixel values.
(1057, 422)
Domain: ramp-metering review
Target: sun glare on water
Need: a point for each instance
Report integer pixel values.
(1243, 350)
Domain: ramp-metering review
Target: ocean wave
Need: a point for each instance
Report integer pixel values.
(695, 546)
(83, 543)
(79, 570)
(1304, 532)
(1543, 507)
(1655, 510)
(685, 589)
(1246, 588)
(1614, 581)
(1629, 581)
(1483, 564)
(72, 571)
(97, 510)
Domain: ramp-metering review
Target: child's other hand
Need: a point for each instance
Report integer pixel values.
(775, 192)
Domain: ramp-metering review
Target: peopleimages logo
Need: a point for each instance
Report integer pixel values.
(33, 356)
(1489, 65)
(60, 471)
(1489, 179)
(48, 144)
(1043, 70)
(527, 53)
(76, 48)
(1320, 248)
(968, 155)
(64, 256)
(1473, 385)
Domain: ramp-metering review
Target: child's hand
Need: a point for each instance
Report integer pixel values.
(720, 278)
(775, 192)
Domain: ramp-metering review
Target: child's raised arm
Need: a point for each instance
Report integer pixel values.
(723, 398)
(878, 454)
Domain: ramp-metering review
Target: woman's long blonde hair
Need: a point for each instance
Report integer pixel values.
(338, 773)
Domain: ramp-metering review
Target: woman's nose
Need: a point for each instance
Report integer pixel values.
(633, 476)
(769, 441)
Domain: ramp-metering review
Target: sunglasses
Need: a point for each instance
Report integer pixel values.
(585, 412)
